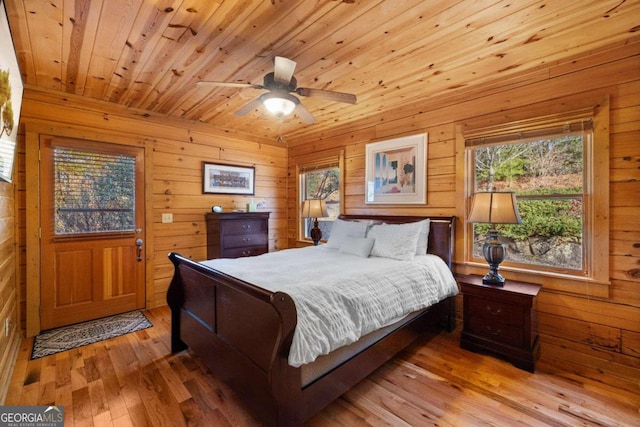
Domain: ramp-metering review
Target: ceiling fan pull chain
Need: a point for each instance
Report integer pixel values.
(279, 138)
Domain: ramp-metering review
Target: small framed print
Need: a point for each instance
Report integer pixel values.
(396, 171)
(228, 179)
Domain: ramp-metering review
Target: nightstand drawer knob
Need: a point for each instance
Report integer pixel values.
(494, 312)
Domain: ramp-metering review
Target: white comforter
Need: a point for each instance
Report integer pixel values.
(341, 297)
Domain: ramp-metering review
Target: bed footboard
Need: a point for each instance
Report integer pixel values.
(243, 334)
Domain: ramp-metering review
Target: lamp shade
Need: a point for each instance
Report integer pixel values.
(279, 104)
(494, 208)
(314, 208)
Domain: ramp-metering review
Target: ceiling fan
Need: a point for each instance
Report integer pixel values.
(280, 84)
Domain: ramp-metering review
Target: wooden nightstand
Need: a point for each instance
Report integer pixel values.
(500, 320)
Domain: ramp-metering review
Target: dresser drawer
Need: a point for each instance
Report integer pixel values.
(242, 252)
(244, 240)
(495, 310)
(496, 331)
(243, 227)
(237, 234)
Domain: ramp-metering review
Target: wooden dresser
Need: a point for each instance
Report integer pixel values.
(500, 320)
(237, 234)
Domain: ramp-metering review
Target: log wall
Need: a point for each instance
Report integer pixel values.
(598, 335)
(175, 151)
(8, 291)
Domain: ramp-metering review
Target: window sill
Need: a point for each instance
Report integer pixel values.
(549, 281)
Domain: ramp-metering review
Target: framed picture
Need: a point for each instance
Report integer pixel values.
(10, 98)
(228, 179)
(396, 171)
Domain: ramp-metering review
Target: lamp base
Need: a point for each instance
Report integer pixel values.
(316, 233)
(493, 279)
(494, 252)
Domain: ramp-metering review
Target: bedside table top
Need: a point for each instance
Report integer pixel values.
(513, 286)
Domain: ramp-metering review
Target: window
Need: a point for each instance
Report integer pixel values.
(549, 165)
(321, 181)
(94, 192)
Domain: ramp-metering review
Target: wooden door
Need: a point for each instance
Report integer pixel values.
(92, 213)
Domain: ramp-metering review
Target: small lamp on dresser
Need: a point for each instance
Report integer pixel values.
(494, 208)
(314, 208)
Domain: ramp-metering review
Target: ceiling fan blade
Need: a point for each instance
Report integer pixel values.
(229, 84)
(247, 108)
(349, 98)
(304, 114)
(283, 70)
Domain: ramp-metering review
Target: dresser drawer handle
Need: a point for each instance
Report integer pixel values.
(246, 239)
(494, 312)
(246, 226)
(495, 333)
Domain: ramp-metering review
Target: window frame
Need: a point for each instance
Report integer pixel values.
(587, 142)
(596, 281)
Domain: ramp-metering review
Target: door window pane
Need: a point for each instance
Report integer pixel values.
(94, 192)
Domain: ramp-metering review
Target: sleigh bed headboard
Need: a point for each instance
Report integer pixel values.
(441, 233)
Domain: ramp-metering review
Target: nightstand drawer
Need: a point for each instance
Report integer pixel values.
(242, 240)
(496, 331)
(496, 310)
(243, 227)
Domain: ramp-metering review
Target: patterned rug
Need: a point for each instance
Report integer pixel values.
(67, 337)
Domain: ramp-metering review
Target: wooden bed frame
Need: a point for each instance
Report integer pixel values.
(243, 334)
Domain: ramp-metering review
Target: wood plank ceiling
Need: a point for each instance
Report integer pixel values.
(149, 54)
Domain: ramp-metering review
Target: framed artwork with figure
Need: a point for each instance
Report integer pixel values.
(228, 179)
(396, 171)
(10, 98)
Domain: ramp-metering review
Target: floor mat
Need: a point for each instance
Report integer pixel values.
(73, 336)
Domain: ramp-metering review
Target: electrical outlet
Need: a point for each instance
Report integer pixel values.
(167, 218)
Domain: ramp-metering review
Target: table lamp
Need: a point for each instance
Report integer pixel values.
(314, 208)
(494, 208)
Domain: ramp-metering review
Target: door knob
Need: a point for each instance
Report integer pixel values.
(139, 243)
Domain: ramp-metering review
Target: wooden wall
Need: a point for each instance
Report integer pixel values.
(8, 291)
(600, 337)
(175, 151)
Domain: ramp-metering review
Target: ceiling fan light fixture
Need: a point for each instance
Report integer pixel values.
(279, 104)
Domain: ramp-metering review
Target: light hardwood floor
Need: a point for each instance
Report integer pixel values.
(135, 380)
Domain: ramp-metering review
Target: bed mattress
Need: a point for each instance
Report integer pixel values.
(341, 297)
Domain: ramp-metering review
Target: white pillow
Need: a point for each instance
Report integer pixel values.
(423, 239)
(360, 246)
(396, 241)
(342, 229)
